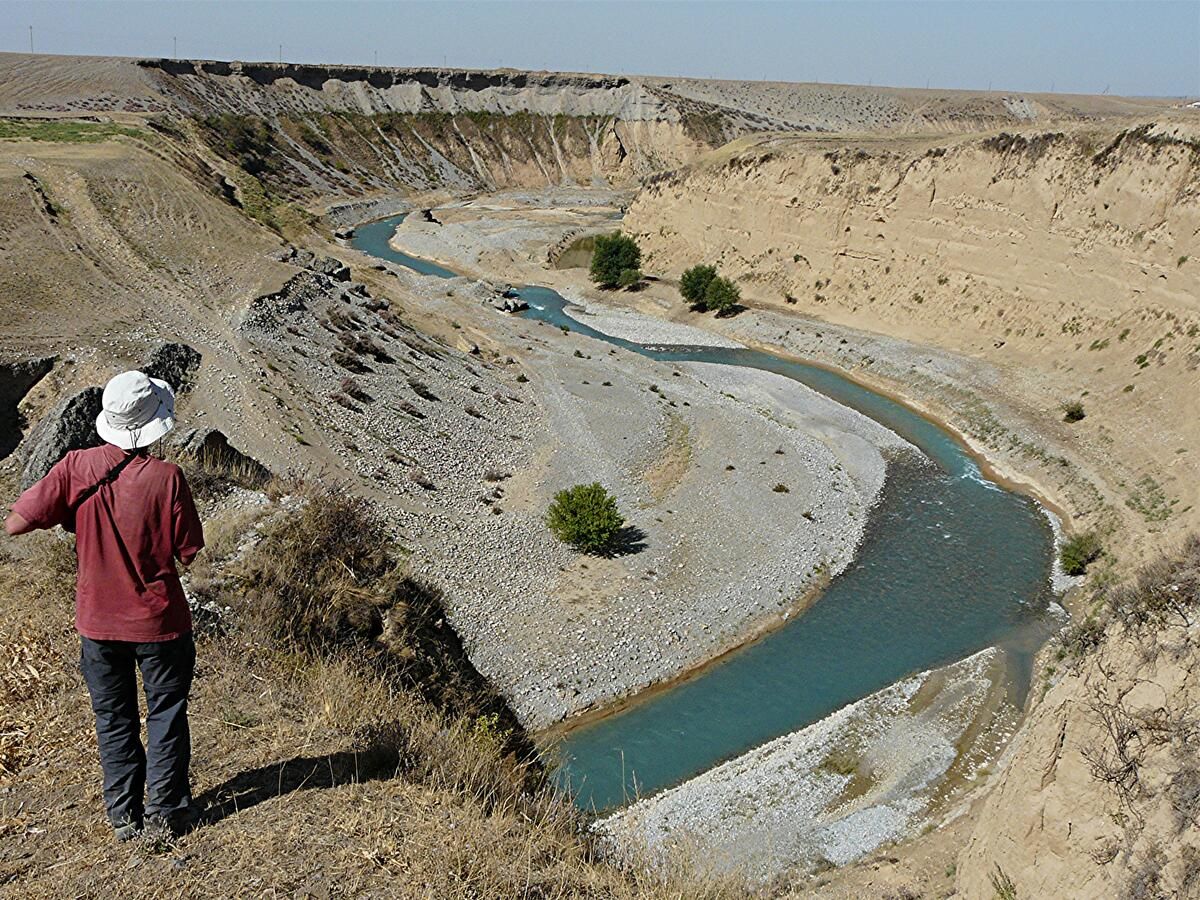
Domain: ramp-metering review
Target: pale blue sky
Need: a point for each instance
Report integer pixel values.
(1145, 47)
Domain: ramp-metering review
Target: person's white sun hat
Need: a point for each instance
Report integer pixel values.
(136, 410)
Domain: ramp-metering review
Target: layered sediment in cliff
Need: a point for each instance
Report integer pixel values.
(1066, 262)
(347, 130)
(1067, 259)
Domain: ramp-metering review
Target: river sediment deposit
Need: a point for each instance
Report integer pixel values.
(932, 523)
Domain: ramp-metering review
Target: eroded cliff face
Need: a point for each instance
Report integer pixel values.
(1101, 793)
(346, 130)
(1066, 262)
(1070, 261)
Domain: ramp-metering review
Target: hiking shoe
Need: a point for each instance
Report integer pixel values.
(127, 832)
(175, 823)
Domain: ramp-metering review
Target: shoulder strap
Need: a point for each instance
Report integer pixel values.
(108, 478)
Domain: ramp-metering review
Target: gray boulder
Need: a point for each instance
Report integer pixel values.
(16, 380)
(334, 268)
(176, 364)
(70, 425)
(509, 304)
(211, 448)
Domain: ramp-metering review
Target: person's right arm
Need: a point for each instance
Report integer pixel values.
(15, 524)
(44, 504)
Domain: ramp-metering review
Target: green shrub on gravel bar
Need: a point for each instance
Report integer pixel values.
(694, 284)
(614, 254)
(586, 517)
(721, 295)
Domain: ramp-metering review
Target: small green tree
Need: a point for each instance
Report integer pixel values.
(614, 254)
(629, 278)
(695, 282)
(586, 517)
(1078, 552)
(721, 295)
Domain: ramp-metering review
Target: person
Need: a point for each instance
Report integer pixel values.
(133, 517)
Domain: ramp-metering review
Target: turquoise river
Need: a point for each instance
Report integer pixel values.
(951, 563)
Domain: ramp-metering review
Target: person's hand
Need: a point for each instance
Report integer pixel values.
(15, 524)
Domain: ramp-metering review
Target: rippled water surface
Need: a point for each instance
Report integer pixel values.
(951, 564)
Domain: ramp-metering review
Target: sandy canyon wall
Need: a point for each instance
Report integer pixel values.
(348, 130)
(1068, 260)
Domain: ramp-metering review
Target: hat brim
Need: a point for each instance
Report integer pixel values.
(159, 425)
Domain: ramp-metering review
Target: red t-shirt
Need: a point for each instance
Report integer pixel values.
(127, 538)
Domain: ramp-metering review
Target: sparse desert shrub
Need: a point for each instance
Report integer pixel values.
(349, 361)
(473, 411)
(494, 475)
(1165, 590)
(1002, 885)
(780, 488)
(1080, 638)
(695, 282)
(342, 399)
(1073, 411)
(586, 517)
(1078, 552)
(352, 388)
(421, 389)
(522, 378)
(307, 576)
(418, 477)
(1185, 791)
(839, 762)
(721, 296)
(614, 254)
(406, 406)
(363, 345)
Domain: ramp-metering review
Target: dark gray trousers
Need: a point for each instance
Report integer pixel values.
(110, 670)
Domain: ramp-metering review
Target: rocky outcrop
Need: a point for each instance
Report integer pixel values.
(323, 265)
(1100, 797)
(212, 449)
(16, 380)
(174, 363)
(70, 425)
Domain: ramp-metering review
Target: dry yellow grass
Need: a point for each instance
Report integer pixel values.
(320, 774)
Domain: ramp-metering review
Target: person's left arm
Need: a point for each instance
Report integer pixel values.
(188, 530)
